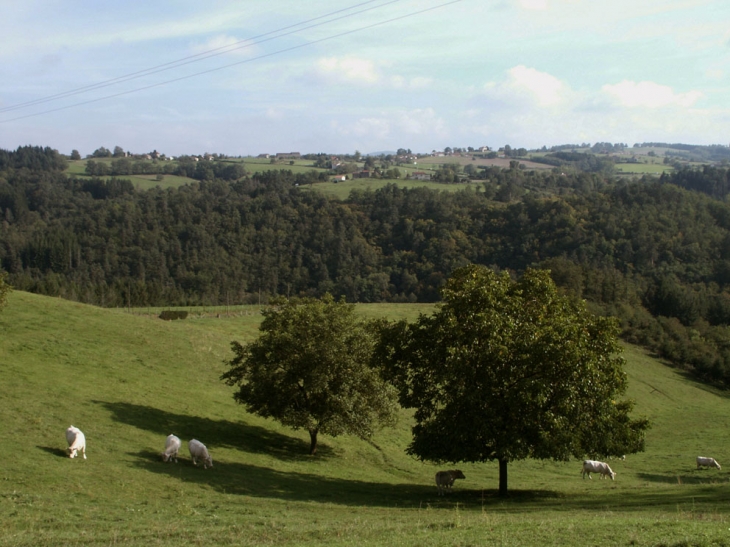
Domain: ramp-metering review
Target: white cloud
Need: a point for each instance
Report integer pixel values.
(349, 69)
(529, 85)
(649, 95)
(531, 108)
(415, 122)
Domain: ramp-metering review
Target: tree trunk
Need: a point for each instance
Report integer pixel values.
(313, 441)
(503, 476)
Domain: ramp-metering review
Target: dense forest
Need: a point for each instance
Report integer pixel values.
(653, 252)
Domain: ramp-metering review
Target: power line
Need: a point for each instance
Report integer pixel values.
(248, 42)
(223, 67)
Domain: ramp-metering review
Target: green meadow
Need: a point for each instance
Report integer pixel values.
(643, 168)
(129, 379)
(77, 168)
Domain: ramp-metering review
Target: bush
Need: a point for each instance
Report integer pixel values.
(170, 315)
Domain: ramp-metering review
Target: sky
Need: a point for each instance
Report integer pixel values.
(254, 76)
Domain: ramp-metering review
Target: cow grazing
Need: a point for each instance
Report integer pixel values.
(198, 451)
(707, 462)
(445, 480)
(172, 445)
(592, 466)
(76, 442)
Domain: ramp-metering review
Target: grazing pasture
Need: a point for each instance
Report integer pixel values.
(127, 381)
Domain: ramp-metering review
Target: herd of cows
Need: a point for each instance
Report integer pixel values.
(444, 479)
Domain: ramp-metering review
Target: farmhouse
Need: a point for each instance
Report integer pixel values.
(420, 175)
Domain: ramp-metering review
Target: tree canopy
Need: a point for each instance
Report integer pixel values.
(507, 370)
(310, 369)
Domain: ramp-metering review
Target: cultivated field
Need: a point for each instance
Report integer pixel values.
(128, 380)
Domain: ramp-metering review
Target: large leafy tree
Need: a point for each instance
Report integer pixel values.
(310, 369)
(506, 370)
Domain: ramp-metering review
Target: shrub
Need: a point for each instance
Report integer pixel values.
(170, 315)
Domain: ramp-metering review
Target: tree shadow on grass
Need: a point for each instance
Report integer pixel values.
(236, 478)
(241, 479)
(706, 386)
(55, 451)
(214, 433)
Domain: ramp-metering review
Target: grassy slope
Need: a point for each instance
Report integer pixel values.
(127, 381)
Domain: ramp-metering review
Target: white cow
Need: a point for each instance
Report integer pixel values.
(76, 442)
(707, 462)
(445, 480)
(592, 466)
(172, 445)
(198, 451)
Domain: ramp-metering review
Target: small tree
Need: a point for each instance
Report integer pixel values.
(310, 369)
(510, 370)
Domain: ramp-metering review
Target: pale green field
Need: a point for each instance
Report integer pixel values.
(129, 380)
(643, 168)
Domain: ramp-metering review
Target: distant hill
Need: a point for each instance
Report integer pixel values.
(693, 152)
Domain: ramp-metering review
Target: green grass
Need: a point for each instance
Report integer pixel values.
(128, 380)
(643, 168)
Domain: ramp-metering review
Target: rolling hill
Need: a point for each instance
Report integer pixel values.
(129, 380)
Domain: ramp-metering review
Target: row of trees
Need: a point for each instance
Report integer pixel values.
(504, 370)
(184, 167)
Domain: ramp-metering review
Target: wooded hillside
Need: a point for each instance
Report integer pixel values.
(646, 250)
